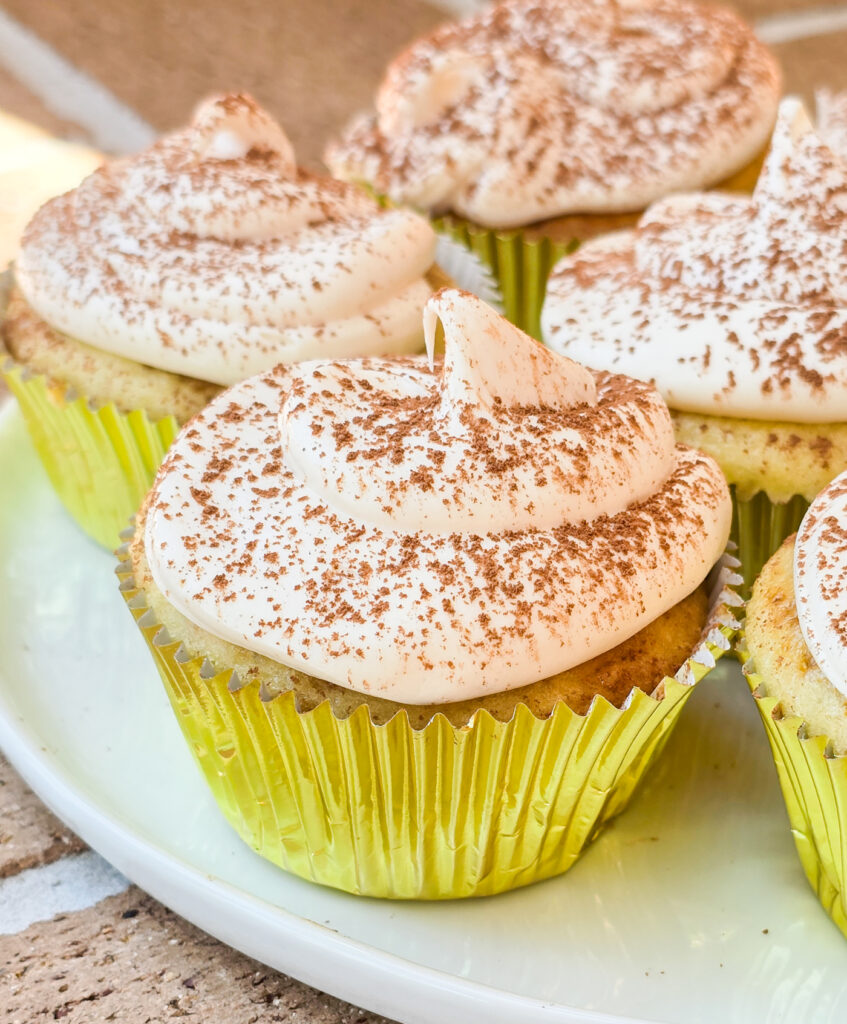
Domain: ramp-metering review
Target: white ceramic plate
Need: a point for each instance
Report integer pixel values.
(690, 908)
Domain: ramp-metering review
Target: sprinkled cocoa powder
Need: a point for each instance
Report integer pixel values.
(312, 576)
(217, 264)
(757, 283)
(528, 110)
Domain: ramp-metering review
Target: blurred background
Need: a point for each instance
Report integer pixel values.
(114, 72)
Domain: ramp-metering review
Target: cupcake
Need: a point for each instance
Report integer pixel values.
(736, 309)
(532, 126)
(796, 646)
(425, 624)
(166, 276)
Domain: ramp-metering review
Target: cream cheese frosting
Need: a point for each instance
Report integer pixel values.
(729, 305)
(530, 110)
(820, 581)
(431, 531)
(831, 119)
(211, 255)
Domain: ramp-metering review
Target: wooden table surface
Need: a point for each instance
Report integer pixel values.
(125, 957)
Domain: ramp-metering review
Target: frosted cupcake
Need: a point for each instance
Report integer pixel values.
(736, 309)
(532, 126)
(367, 583)
(167, 275)
(796, 642)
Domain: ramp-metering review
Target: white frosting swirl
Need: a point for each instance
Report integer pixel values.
(820, 581)
(434, 532)
(211, 255)
(729, 305)
(531, 110)
(831, 117)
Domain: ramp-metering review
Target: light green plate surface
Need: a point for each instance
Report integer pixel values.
(691, 908)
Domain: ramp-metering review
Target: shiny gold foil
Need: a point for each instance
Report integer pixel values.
(759, 526)
(101, 462)
(432, 813)
(520, 265)
(814, 786)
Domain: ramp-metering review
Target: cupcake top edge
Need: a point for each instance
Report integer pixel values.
(528, 111)
(730, 305)
(432, 530)
(212, 255)
(820, 581)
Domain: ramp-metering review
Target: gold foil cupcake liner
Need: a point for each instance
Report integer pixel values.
(520, 264)
(100, 461)
(433, 813)
(759, 526)
(466, 270)
(814, 786)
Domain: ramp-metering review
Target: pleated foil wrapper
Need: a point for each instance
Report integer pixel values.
(759, 526)
(814, 786)
(520, 265)
(466, 270)
(100, 461)
(515, 267)
(433, 813)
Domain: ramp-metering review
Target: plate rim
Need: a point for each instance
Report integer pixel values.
(372, 978)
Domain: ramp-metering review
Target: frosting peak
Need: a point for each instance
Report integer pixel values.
(494, 438)
(370, 524)
(230, 127)
(785, 244)
(731, 305)
(211, 255)
(532, 109)
(487, 361)
(800, 204)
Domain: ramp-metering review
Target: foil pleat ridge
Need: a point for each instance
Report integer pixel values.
(385, 809)
(813, 781)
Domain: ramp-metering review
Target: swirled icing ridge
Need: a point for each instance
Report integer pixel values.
(366, 522)
(731, 306)
(212, 255)
(530, 110)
